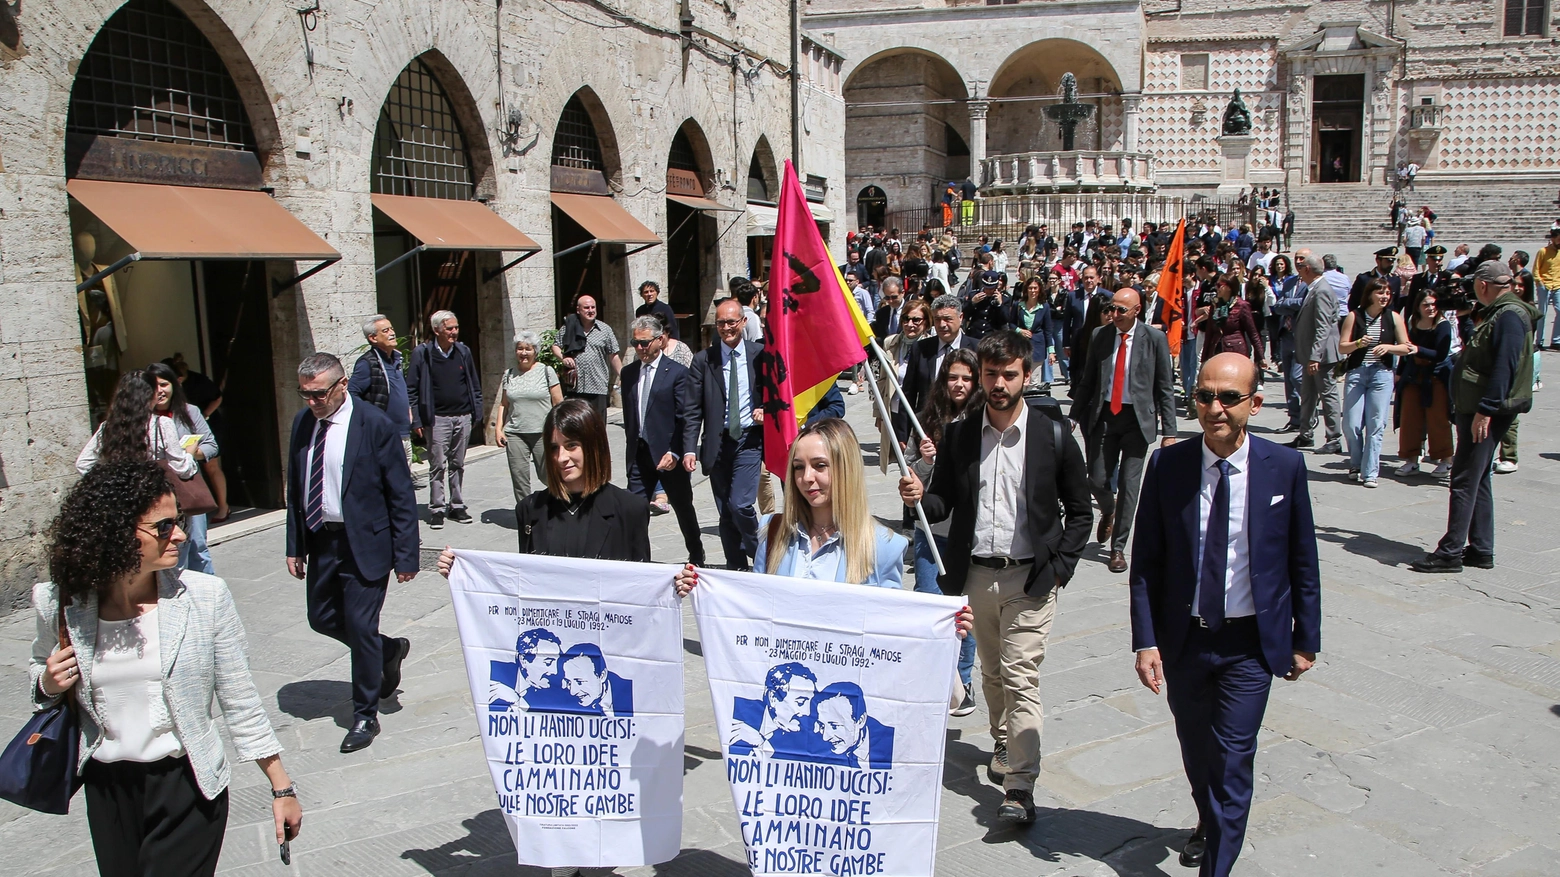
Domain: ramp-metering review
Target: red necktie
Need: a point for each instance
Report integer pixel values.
(1120, 380)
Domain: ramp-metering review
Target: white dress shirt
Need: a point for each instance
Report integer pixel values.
(1126, 382)
(335, 458)
(1237, 565)
(942, 351)
(731, 357)
(1001, 515)
(646, 380)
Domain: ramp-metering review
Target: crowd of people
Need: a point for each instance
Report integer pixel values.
(1445, 353)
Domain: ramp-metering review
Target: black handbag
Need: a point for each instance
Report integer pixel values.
(38, 768)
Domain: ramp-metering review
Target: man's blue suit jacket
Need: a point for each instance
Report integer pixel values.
(663, 426)
(1286, 585)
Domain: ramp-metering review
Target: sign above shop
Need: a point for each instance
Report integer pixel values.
(683, 183)
(124, 160)
(579, 181)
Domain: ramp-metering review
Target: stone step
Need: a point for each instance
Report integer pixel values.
(1465, 212)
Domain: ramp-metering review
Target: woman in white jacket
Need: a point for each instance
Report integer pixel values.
(149, 650)
(132, 431)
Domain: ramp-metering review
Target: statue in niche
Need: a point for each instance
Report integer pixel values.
(1237, 119)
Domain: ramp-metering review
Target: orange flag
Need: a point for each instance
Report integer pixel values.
(815, 330)
(1171, 287)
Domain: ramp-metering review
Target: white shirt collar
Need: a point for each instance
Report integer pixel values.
(951, 345)
(1237, 459)
(1018, 423)
(343, 414)
(652, 364)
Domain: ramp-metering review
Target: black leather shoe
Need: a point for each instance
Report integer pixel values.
(1436, 563)
(1478, 561)
(1302, 441)
(1196, 845)
(1017, 806)
(392, 677)
(362, 734)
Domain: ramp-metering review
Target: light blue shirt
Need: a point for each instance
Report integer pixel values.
(827, 564)
(731, 357)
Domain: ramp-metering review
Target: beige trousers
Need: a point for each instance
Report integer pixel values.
(1011, 629)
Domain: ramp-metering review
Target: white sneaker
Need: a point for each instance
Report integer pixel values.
(1371, 483)
(1409, 468)
(1505, 467)
(854, 389)
(1442, 469)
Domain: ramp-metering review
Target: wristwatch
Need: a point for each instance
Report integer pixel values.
(290, 792)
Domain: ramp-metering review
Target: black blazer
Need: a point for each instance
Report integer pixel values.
(880, 324)
(921, 367)
(663, 427)
(1054, 479)
(617, 524)
(1150, 381)
(377, 502)
(704, 399)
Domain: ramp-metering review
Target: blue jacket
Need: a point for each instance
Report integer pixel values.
(1286, 585)
(385, 390)
(888, 566)
(663, 427)
(377, 503)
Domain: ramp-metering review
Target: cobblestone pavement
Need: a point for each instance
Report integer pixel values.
(1424, 742)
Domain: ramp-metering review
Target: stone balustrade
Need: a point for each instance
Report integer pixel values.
(1040, 173)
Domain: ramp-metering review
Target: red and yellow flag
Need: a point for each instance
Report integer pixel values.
(1172, 283)
(815, 331)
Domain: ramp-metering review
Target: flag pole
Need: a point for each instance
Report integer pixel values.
(899, 392)
(904, 468)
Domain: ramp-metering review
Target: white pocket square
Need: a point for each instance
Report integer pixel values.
(1277, 499)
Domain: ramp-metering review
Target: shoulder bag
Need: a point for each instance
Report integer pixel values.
(38, 768)
(192, 493)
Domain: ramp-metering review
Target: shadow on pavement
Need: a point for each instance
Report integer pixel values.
(503, 517)
(1371, 546)
(486, 837)
(702, 863)
(312, 699)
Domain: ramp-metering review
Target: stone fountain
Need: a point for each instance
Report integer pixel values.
(1069, 112)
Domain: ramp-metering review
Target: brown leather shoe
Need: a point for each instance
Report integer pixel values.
(1102, 533)
(1118, 562)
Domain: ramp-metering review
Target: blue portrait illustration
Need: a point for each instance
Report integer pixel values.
(530, 682)
(587, 687)
(776, 724)
(846, 735)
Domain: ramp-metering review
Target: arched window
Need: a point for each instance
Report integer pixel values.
(576, 144)
(419, 148)
(152, 75)
(758, 190)
(681, 157)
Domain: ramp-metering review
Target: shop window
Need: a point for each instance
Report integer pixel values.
(152, 75)
(419, 149)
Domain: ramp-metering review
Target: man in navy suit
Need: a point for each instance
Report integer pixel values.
(653, 422)
(732, 451)
(1226, 594)
(351, 518)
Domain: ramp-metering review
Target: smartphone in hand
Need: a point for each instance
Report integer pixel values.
(286, 852)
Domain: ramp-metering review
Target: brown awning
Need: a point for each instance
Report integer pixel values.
(604, 219)
(703, 204)
(442, 224)
(185, 222)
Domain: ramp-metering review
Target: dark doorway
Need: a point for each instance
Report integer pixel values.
(1337, 120)
(684, 251)
(236, 314)
(871, 207)
(576, 272)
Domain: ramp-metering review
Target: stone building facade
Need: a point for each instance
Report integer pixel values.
(376, 129)
(1339, 93)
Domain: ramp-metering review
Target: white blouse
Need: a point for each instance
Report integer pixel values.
(127, 692)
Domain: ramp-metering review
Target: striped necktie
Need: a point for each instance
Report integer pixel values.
(314, 509)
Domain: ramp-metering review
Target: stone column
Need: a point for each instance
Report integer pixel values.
(1130, 104)
(977, 138)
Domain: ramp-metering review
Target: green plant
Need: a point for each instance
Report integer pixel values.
(546, 355)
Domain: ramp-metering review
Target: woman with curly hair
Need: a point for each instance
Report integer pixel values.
(132, 433)
(149, 650)
(170, 404)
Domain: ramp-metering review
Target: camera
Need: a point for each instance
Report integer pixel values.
(1455, 294)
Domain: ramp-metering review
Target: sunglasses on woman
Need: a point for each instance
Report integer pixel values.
(163, 529)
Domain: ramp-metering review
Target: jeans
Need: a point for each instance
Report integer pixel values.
(447, 456)
(1056, 344)
(194, 553)
(926, 583)
(1470, 516)
(1547, 298)
(1367, 396)
(1294, 374)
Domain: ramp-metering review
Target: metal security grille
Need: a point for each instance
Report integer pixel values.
(576, 144)
(681, 157)
(152, 75)
(1525, 18)
(419, 149)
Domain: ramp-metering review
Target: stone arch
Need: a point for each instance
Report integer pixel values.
(767, 171)
(907, 126)
(1036, 70)
(698, 145)
(601, 124)
(447, 93)
(469, 115)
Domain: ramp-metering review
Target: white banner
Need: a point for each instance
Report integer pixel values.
(576, 676)
(832, 705)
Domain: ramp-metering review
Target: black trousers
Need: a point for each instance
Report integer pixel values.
(678, 484)
(1470, 517)
(151, 820)
(1116, 449)
(344, 606)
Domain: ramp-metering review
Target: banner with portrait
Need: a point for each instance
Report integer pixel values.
(576, 676)
(832, 705)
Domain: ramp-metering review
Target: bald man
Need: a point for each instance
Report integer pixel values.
(1123, 398)
(1226, 594)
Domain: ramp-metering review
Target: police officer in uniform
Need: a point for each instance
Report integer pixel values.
(1432, 275)
(1386, 258)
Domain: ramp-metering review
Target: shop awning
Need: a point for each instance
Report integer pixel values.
(186, 222)
(820, 213)
(704, 204)
(443, 224)
(604, 219)
(761, 220)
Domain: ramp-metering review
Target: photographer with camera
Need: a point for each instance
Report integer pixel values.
(1491, 384)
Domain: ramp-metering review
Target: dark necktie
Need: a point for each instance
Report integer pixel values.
(314, 509)
(733, 399)
(1216, 547)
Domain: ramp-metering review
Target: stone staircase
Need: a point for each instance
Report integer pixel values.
(1465, 212)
